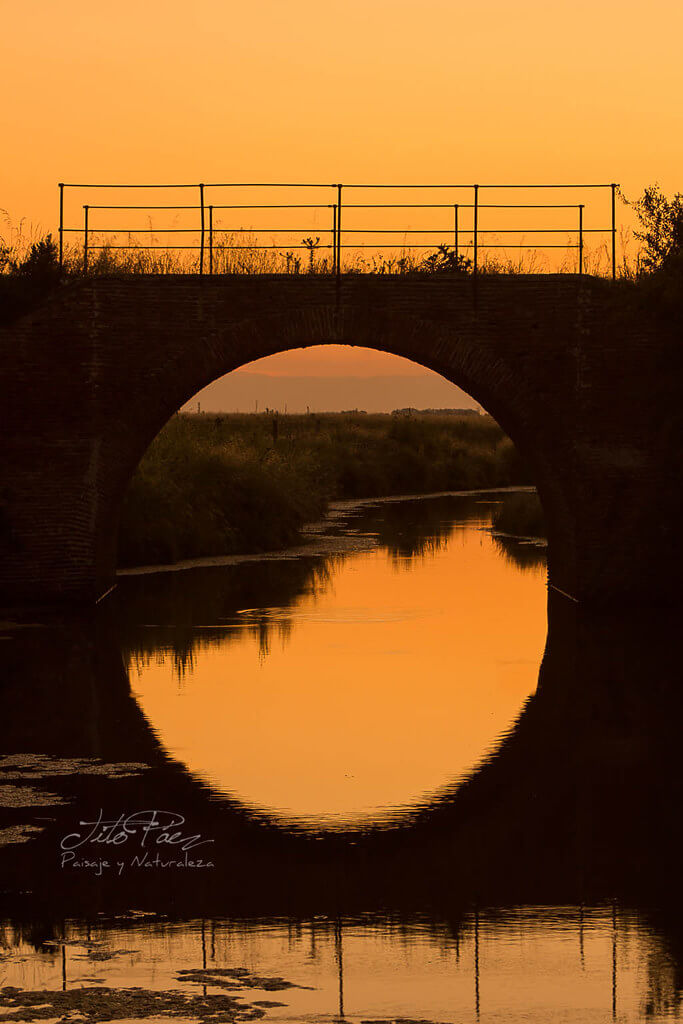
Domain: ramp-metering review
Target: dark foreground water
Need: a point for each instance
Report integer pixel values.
(354, 784)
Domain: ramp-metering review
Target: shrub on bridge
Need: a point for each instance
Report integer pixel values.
(661, 220)
(26, 281)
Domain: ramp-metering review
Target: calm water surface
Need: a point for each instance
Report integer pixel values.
(387, 679)
(529, 964)
(416, 806)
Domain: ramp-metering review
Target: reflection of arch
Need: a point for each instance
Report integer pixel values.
(575, 804)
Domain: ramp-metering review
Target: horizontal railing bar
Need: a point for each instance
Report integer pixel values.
(549, 185)
(189, 231)
(98, 184)
(138, 231)
(348, 231)
(347, 206)
(546, 185)
(261, 206)
(273, 248)
(248, 184)
(533, 245)
(144, 248)
(448, 206)
(354, 206)
(194, 184)
(366, 206)
(481, 245)
(268, 184)
(123, 207)
(429, 231)
(281, 248)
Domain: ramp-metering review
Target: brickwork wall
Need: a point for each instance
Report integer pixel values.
(585, 381)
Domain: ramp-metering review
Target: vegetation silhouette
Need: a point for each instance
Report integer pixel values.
(661, 233)
(520, 514)
(447, 260)
(654, 281)
(521, 553)
(27, 275)
(223, 484)
(409, 534)
(162, 612)
(183, 613)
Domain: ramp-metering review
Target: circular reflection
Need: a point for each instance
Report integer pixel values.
(387, 680)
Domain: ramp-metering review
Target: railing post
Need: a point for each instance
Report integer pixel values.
(334, 238)
(85, 240)
(61, 224)
(613, 187)
(476, 228)
(339, 222)
(201, 239)
(455, 230)
(211, 240)
(580, 239)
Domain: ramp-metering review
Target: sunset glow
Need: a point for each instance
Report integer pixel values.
(338, 91)
(340, 506)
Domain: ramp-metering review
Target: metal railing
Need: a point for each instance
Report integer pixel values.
(464, 232)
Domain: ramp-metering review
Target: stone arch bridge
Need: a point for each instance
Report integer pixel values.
(583, 378)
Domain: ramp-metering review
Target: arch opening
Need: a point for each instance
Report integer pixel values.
(242, 465)
(270, 646)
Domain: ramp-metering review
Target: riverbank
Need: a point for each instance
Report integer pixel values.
(325, 537)
(216, 485)
(520, 515)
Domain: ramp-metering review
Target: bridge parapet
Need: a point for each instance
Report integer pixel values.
(338, 228)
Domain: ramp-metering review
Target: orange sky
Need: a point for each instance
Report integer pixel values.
(333, 360)
(340, 90)
(337, 90)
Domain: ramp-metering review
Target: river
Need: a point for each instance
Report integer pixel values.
(354, 781)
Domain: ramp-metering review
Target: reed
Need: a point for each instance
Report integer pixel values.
(242, 253)
(520, 515)
(222, 484)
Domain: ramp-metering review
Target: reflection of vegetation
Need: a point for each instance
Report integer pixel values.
(221, 484)
(663, 984)
(409, 529)
(181, 613)
(521, 554)
(520, 514)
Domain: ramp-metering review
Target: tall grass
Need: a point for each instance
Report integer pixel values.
(520, 515)
(221, 484)
(234, 254)
(242, 253)
(201, 492)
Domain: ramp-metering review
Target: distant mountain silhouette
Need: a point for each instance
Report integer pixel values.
(239, 392)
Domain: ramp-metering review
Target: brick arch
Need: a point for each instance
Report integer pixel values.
(457, 355)
(579, 374)
(475, 369)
